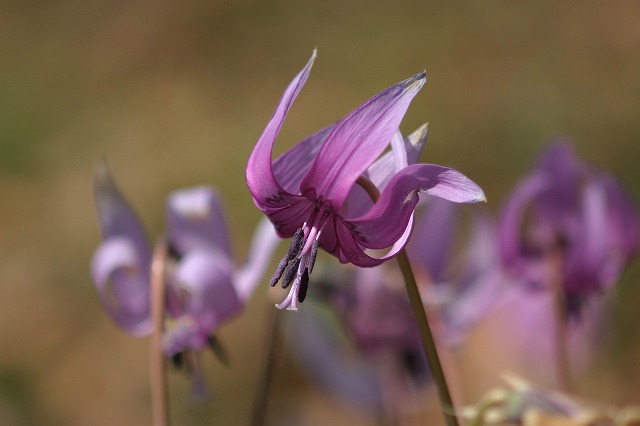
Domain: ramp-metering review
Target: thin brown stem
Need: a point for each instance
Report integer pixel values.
(428, 342)
(563, 366)
(274, 321)
(157, 363)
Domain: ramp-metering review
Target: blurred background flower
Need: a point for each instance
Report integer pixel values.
(176, 94)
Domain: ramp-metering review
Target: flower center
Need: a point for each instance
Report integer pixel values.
(296, 266)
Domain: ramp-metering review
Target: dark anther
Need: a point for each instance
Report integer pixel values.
(290, 273)
(297, 242)
(304, 286)
(279, 270)
(312, 257)
(177, 360)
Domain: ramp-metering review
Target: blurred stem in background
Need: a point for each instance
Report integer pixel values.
(561, 348)
(273, 338)
(158, 379)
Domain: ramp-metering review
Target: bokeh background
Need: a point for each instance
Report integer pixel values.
(176, 94)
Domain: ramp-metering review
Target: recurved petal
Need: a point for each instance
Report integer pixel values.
(196, 221)
(115, 215)
(261, 181)
(265, 241)
(387, 220)
(357, 140)
(211, 297)
(122, 279)
(513, 215)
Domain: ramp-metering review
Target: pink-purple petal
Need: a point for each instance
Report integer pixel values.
(195, 221)
(259, 174)
(357, 140)
(115, 215)
(385, 223)
(293, 165)
(211, 296)
(122, 280)
(265, 241)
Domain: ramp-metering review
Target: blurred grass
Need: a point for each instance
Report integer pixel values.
(176, 94)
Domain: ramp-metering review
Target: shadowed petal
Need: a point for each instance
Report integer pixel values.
(116, 216)
(403, 152)
(122, 281)
(196, 221)
(265, 241)
(210, 297)
(386, 222)
(357, 140)
(293, 165)
(261, 181)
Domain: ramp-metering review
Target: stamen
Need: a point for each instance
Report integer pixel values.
(304, 286)
(297, 242)
(290, 273)
(312, 256)
(279, 271)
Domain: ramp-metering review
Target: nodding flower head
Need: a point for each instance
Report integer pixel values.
(568, 214)
(305, 191)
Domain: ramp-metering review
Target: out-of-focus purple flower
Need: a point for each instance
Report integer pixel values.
(457, 265)
(569, 209)
(304, 191)
(359, 341)
(120, 265)
(203, 287)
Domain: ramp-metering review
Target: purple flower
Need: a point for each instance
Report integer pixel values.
(457, 265)
(305, 190)
(568, 209)
(203, 287)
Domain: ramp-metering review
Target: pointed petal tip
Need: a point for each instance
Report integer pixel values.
(415, 82)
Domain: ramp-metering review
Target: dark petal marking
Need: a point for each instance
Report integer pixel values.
(304, 286)
(290, 273)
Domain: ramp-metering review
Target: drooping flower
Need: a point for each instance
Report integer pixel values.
(569, 210)
(203, 287)
(304, 191)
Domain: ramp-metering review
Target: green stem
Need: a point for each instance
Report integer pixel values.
(159, 404)
(428, 342)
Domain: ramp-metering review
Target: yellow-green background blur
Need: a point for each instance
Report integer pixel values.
(176, 93)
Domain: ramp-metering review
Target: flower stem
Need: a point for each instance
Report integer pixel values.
(159, 404)
(563, 368)
(274, 326)
(428, 342)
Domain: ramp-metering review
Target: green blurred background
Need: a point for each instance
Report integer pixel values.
(176, 94)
